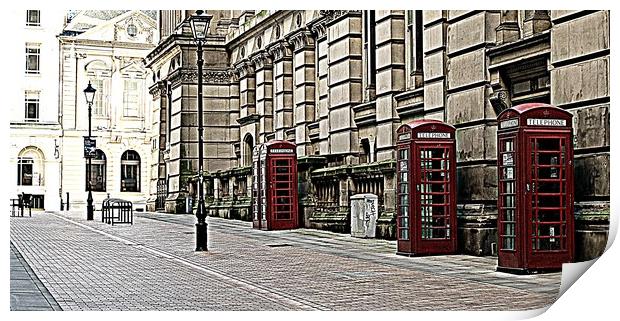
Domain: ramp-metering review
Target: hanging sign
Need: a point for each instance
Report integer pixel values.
(90, 145)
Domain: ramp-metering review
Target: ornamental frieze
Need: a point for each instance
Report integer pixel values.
(208, 77)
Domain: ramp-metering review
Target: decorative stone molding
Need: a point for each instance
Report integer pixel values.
(158, 89)
(244, 68)
(233, 75)
(333, 15)
(261, 60)
(318, 28)
(191, 76)
(279, 50)
(499, 99)
(301, 40)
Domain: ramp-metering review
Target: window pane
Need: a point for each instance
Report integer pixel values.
(33, 18)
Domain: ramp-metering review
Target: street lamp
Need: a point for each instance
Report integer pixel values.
(200, 25)
(89, 92)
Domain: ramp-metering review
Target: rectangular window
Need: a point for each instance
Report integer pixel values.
(32, 106)
(130, 177)
(33, 17)
(24, 171)
(99, 102)
(370, 47)
(130, 98)
(415, 51)
(32, 58)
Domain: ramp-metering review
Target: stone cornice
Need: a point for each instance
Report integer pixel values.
(301, 40)
(279, 50)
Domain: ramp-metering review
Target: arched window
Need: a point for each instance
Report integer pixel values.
(130, 171)
(248, 146)
(97, 172)
(30, 168)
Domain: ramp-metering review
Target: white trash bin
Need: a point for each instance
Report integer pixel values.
(364, 212)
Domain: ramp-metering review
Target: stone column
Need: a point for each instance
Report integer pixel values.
(390, 55)
(468, 109)
(344, 38)
(264, 94)
(320, 33)
(247, 88)
(248, 118)
(304, 67)
(233, 127)
(283, 88)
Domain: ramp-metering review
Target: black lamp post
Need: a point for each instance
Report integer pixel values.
(200, 25)
(89, 92)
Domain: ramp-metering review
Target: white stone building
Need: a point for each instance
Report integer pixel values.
(107, 48)
(34, 147)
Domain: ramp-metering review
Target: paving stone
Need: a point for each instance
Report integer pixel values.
(152, 265)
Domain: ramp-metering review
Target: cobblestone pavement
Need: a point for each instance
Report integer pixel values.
(152, 265)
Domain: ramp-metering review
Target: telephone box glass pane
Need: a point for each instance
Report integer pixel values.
(283, 189)
(434, 193)
(403, 194)
(548, 193)
(507, 193)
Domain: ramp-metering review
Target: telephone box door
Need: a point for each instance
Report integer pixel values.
(548, 202)
(283, 192)
(510, 231)
(434, 199)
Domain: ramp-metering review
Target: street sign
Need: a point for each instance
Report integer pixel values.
(90, 145)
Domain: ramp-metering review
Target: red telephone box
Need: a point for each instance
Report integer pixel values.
(535, 186)
(426, 188)
(274, 166)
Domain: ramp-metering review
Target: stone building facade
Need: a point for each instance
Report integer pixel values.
(339, 83)
(107, 48)
(35, 131)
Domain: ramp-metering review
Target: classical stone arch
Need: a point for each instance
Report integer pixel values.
(246, 152)
(31, 167)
